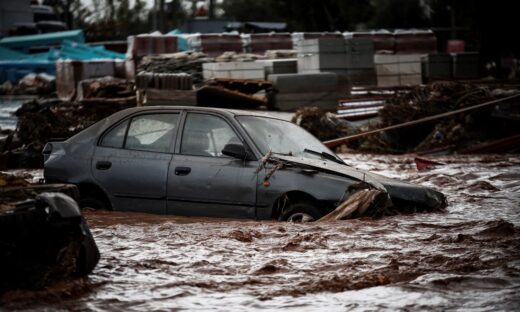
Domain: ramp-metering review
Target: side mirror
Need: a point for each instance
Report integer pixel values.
(235, 150)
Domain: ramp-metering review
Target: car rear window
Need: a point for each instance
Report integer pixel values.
(150, 132)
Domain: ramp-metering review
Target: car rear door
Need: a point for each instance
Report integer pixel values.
(132, 158)
(204, 182)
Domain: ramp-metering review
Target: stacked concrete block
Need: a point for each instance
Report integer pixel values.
(360, 53)
(216, 44)
(143, 45)
(409, 69)
(259, 43)
(415, 42)
(351, 59)
(69, 73)
(171, 81)
(465, 65)
(317, 55)
(436, 66)
(360, 62)
(398, 69)
(234, 70)
(293, 91)
(384, 41)
(279, 66)
(387, 70)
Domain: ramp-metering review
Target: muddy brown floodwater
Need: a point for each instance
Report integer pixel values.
(465, 258)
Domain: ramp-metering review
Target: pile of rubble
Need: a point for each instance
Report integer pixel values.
(32, 84)
(456, 133)
(40, 121)
(491, 128)
(43, 236)
(323, 125)
(105, 88)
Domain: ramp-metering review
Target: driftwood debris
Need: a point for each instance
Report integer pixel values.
(362, 203)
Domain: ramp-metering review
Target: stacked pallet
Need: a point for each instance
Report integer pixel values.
(293, 91)
(165, 89)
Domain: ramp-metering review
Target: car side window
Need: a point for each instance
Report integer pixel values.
(206, 135)
(151, 132)
(115, 137)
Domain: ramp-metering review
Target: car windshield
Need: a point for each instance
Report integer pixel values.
(284, 138)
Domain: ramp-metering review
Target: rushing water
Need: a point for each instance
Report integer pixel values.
(9, 105)
(466, 258)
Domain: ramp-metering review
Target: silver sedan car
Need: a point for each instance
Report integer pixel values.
(213, 162)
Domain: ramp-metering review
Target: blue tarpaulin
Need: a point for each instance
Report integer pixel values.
(15, 65)
(8, 54)
(182, 42)
(24, 43)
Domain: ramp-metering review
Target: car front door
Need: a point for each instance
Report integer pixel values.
(131, 161)
(204, 182)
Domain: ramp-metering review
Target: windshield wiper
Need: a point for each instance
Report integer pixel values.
(324, 155)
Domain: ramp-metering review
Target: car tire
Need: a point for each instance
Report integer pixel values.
(301, 212)
(92, 202)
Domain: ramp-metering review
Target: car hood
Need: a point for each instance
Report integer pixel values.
(395, 188)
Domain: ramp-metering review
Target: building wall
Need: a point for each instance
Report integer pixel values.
(12, 12)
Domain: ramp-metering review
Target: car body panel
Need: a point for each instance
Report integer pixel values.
(135, 181)
(215, 186)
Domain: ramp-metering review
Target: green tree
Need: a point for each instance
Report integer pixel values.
(399, 14)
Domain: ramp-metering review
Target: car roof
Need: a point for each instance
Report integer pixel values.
(226, 111)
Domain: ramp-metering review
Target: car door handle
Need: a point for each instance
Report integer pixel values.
(103, 165)
(182, 170)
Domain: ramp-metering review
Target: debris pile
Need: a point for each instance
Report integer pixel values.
(456, 132)
(44, 239)
(39, 121)
(31, 84)
(323, 125)
(367, 202)
(238, 57)
(181, 62)
(43, 236)
(106, 88)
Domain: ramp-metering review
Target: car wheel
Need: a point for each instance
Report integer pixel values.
(301, 212)
(92, 202)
